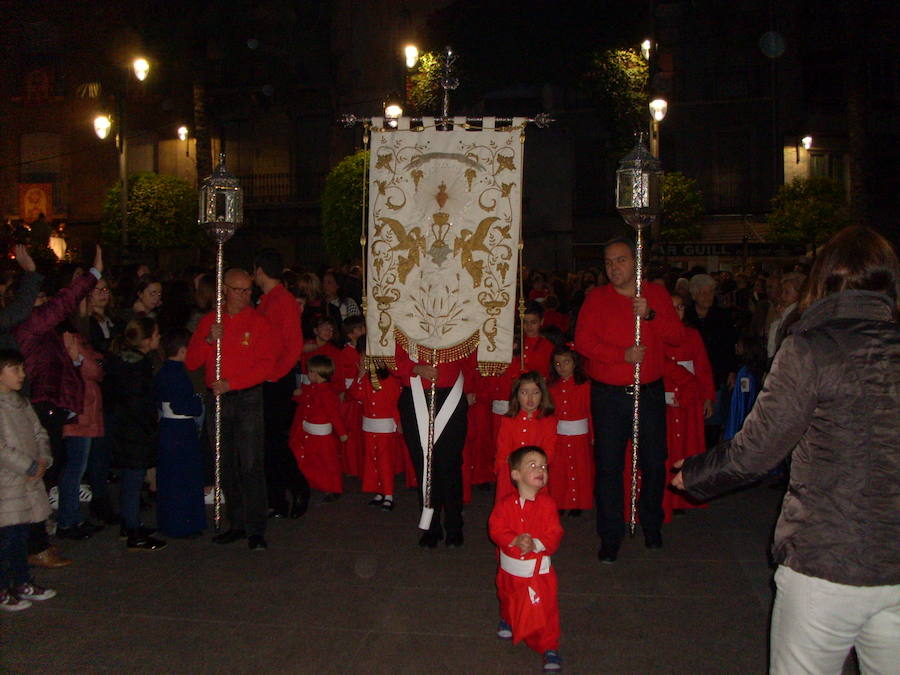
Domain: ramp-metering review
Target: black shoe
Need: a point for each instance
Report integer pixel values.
(136, 542)
(229, 537)
(376, 500)
(454, 539)
(299, 504)
(331, 497)
(609, 552)
(75, 533)
(430, 539)
(142, 531)
(653, 539)
(574, 513)
(387, 504)
(256, 542)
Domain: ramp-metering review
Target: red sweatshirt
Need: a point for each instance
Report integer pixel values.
(248, 349)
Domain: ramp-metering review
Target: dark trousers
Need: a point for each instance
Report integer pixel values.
(282, 474)
(52, 419)
(611, 410)
(243, 472)
(13, 556)
(446, 459)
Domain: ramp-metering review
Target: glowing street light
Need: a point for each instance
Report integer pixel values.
(412, 55)
(182, 133)
(102, 125)
(806, 142)
(658, 109)
(141, 68)
(646, 45)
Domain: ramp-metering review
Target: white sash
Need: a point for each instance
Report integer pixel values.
(499, 407)
(523, 568)
(379, 425)
(440, 421)
(348, 382)
(304, 378)
(317, 429)
(687, 365)
(166, 412)
(572, 427)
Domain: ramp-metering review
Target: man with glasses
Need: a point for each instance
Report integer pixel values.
(248, 356)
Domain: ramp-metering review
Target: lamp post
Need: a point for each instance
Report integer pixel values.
(221, 214)
(141, 68)
(638, 202)
(658, 109)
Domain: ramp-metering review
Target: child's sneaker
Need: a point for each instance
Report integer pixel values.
(31, 591)
(552, 661)
(504, 630)
(10, 603)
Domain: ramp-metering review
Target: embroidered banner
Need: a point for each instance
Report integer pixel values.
(443, 234)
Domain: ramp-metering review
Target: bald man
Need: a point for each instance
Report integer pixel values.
(248, 355)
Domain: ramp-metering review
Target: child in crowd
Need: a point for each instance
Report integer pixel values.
(497, 390)
(536, 347)
(180, 511)
(135, 426)
(525, 527)
(747, 383)
(324, 343)
(24, 457)
(380, 436)
(354, 328)
(572, 485)
(529, 421)
(316, 420)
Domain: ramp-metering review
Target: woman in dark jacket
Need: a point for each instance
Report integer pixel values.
(135, 427)
(831, 401)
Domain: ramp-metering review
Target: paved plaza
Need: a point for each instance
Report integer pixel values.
(346, 589)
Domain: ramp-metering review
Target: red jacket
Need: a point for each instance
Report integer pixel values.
(51, 373)
(248, 349)
(605, 330)
(538, 351)
(89, 424)
(283, 314)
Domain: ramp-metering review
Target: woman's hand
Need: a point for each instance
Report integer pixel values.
(678, 478)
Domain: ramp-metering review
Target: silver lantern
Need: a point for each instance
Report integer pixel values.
(638, 201)
(221, 213)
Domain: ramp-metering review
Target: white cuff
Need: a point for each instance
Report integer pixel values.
(96, 273)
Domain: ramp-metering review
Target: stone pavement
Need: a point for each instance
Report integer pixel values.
(346, 589)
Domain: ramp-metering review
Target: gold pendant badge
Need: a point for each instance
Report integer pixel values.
(245, 341)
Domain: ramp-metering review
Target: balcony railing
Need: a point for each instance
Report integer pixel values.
(271, 189)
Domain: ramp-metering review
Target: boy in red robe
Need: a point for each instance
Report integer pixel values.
(525, 527)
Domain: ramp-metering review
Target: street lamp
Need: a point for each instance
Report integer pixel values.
(658, 109)
(638, 201)
(412, 55)
(141, 68)
(646, 46)
(102, 124)
(393, 111)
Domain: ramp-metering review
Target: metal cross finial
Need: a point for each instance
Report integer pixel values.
(448, 82)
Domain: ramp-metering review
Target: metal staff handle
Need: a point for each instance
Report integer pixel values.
(432, 405)
(217, 490)
(636, 410)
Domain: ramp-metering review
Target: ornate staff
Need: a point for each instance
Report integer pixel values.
(637, 200)
(221, 213)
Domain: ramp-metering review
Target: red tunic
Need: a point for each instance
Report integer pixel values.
(379, 463)
(351, 413)
(478, 452)
(516, 432)
(605, 329)
(334, 353)
(499, 388)
(556, 319)
(280, 309)
(248, 349)
(317, 455)
(540, 519)
(572, 480)
(538, 351)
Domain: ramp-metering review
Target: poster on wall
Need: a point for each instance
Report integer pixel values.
(35, 200)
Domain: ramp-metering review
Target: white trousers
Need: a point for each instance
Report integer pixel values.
(815, 623)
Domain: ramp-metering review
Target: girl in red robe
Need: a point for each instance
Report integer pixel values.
(525, 527)
(379, 432)
(317, 429)
(530, 421)
(572, 483)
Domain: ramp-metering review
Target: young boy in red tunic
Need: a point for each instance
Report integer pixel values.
(324, 343)
(530, 421)
(536, 348)
(525, 527)
(381, 440)
(317, 428)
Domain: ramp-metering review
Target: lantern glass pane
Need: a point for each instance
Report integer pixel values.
(624, 190)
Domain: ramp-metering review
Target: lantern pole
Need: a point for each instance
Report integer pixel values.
(221, 213)
(637, 200)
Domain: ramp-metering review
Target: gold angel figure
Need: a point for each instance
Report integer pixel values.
(412, 242)
(468, 243)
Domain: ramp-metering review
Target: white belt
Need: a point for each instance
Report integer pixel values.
(687, 365)
(317, 429)
(572, 427)
(500, 407)
(348, 382)
(379, 425)
(523, 568)
(167, 413)
(304, 378)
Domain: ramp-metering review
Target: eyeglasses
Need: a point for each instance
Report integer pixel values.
(535, 465)
(101, 290)
(241, 290)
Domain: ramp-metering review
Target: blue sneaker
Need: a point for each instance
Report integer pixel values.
(504, 630)
(552, 661)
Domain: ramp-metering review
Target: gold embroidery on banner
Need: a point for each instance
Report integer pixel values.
(437, 355)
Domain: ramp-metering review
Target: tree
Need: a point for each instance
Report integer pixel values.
(162, 213)
(424, 92)
(342, 208)
(808, 211)
(682, 206)
(617, 81)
